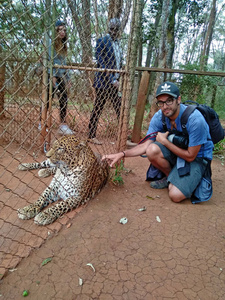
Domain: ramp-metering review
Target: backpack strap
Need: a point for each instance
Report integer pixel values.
(164, 123)
(147, 137)
(184, 118)
(190, 102)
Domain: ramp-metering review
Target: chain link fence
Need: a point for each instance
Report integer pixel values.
(48, 88)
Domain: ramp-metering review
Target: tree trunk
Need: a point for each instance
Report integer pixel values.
(208, 37)
(134, 40)
(171, 35)
(213, 96)
(81, 18)
(115, 9)
(129, 76)
(140, 53)
(206, 46)
(152, 41)
(162, 50)
(96, 18)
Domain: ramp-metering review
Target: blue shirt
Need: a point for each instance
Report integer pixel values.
(108, 56)
(197, 128)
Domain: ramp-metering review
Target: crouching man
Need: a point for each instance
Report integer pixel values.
(183, 169)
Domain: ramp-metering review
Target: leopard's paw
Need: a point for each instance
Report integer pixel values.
(44, 218)
(28, 212)
(24, 166)
(45, 172)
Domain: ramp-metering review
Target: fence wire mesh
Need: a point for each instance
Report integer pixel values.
(49, 88)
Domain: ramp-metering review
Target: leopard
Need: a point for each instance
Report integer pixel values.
(78, 175)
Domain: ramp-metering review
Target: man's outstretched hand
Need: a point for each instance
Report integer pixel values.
(112, 158)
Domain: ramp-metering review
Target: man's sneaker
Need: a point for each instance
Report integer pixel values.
(159, 184)
(65, 130)
(95, 141)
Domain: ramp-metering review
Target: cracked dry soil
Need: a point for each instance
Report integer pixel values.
(181, 257)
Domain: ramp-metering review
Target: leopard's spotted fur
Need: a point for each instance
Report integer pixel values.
(80, 174)
(46, 167)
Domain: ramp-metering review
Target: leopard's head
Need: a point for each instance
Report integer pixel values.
(68, 150)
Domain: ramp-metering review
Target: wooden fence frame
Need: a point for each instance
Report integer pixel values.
(143, 91)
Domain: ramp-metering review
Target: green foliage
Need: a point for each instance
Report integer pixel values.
(195, 10)
(220, 96)
(16, 19)
(221, 112)
(25, 293)
(46, 261)
(117, 178)
(199, 87)
(219, 148)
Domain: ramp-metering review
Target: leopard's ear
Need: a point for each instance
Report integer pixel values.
(83, 143)
(50, 153)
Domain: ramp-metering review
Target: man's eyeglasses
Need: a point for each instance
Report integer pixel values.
(169, 101)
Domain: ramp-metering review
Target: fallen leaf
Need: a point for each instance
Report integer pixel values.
(47, 260)
(123, 220)
(149, 197)
(69, 225)
(158, 219)
(12, 270)
(90, 265)
(142, 209)
(25, 293)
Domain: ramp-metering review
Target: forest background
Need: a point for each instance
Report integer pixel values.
(185, 35)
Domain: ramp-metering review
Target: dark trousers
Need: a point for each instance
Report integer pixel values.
(102, 95)
(62, 95)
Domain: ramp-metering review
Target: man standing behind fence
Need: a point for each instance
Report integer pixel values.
(106, 84)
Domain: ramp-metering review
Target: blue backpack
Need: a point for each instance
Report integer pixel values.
(215, 128)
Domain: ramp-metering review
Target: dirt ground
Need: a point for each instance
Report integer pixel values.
(168, 251)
